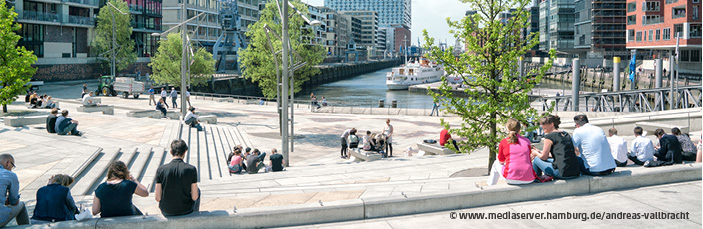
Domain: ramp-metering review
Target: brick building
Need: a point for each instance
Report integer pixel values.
(652, 26)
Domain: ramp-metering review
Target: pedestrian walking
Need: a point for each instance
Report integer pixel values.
(435, 108)
(174, 96)
(151, 95)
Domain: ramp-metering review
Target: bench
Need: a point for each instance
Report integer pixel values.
(363, 155)
(105, 109)
(152, 114)
(210, 119)
(23, 121)
(433, 149)
(224, 100)
(652, 126)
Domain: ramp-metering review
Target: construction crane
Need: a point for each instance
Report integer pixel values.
(226, 49)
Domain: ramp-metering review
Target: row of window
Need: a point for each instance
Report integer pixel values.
(656, 19)
(651, 6)
(663, 34)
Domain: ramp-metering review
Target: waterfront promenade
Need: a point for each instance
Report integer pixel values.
(317, 177)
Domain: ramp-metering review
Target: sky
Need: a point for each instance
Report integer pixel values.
(430, 15)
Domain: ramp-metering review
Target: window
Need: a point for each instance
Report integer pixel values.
(695, 13)
(678, 30)
(684, 55)
(678, 12)
(639, 36)
(631, 35)
(694, 31)
(696, 55)
(657, 36)
(650, 6)
(667, 34)
(651, 19)
(632, 7)
(696, 1)
(632, 20)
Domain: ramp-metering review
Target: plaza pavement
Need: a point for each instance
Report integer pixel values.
(317, 173)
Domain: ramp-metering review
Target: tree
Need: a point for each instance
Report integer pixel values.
(166, 64)
(496, 91)
(125, 54)
(257, 59)
(15, 61)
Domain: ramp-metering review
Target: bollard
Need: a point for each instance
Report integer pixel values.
(576, 85)
(380, 102)
(658, 73)
(616, 73)
(394, 103)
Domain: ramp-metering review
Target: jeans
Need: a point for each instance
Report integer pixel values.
(163, 110)
(173, 100)
(585, 171)
(193, 123)
(18, 212)
(547, 167)
(344, 147)
(165, 103)
(71, 128)
(434, 109)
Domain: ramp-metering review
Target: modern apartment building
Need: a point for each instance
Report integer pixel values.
(652, 28)
(369, 28)
(318, 36)
(391, 13)
(206, 29)
(337, 33)
(599, 31)
(61, 32)
(556, 28)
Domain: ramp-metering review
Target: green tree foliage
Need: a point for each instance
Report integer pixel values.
(166, 64)
(495, 90)
(125, 53)
(15, 61)
(257, 59)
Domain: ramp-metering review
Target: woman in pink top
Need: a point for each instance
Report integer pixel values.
(235, 166)
(514, 163)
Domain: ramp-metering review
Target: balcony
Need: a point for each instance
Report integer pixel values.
(146, 26)
(41, 16)
(84, 2)
(136, 9)
(80, 20)
(678, 13)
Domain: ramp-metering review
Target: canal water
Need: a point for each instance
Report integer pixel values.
(367, 89)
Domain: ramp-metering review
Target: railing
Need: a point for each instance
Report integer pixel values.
(646, 100)
(84, 2)
(135, 8)
(80, 20)
(41, 16)
(141, 25)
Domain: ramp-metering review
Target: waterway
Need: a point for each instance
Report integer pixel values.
(367, 89)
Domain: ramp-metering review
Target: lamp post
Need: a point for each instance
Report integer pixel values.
(114, 30)
(285, 80)
(184, 53)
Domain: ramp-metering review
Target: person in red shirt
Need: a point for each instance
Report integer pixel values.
(445, 137)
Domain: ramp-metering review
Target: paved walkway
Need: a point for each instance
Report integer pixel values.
(675, 198)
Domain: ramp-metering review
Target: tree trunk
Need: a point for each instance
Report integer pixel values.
(492, 149)
(4, 108)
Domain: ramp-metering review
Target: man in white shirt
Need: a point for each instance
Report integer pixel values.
(618, 147)
(174, 96)
(87, 101)
(164, 94)
(192, 119)
(642, 148)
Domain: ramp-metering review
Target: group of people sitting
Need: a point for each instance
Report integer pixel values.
(39, 101)
(253, 161)
(176, 191)
(380, 143)
(61, 124)
(585, 152)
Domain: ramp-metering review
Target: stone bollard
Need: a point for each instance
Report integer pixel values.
(394, 103)
(381, 103)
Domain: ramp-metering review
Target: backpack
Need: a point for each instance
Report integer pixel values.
(353, 141)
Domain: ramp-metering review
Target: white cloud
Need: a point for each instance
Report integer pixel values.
(430, 15)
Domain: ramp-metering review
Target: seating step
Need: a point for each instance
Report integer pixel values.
(139, 163)
(158, 158)
(94, 172)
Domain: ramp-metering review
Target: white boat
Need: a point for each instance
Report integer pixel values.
(401, 78)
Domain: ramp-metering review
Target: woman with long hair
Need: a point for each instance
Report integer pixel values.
(514, 162)
(114, 196)
(558, 157)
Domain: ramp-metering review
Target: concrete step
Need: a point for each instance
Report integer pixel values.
(226, 148)
(201, 159)
(237, 137)
(126, 156)
(214, 152)
(94, 172)
(139, 164)
(158, 157)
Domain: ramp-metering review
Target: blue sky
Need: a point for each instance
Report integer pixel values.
(430, 15)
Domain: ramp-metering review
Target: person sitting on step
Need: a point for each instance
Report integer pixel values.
(235, 165)
(669, 152)
(255, 161)
(176, 187)
(276, 161)
(66, 125)
(88, 101)
(514, 164)
(642, 149)
(192, 119)
(12, 208)
(51, 121)
(688, 149)
(54, 201)
(114, 197)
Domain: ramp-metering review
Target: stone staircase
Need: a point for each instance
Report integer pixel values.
(208, 150)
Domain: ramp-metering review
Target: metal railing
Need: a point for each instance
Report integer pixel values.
(80, 20)
(41, 16)
(84, 2)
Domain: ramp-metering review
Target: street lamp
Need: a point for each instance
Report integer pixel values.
(184, 61)
(286, 71)
(114, 42)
